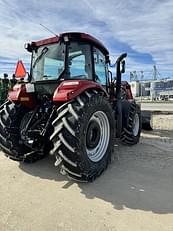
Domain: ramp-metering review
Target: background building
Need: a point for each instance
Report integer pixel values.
(153, 89)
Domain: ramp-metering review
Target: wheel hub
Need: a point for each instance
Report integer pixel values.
(97, 136)
(93, 135)
(136, 125)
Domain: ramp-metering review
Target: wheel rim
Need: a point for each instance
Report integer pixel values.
(136, 125)
(97, 136)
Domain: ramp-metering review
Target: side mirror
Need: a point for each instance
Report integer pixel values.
(123, 66)
(20, 70)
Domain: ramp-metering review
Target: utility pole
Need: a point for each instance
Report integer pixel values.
(135, 75)
(131, 76)
(154, 72)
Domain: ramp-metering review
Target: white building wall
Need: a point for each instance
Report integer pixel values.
(135, 88)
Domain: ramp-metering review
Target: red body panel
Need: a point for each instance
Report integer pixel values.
(129, 93)
(19, 94)
(127, 88)
(94, 40)
(69, 89)
(46, 41)
(13, 95)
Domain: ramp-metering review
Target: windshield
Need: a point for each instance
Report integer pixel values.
(48, 62)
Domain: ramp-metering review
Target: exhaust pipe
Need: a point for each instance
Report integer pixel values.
(118, 92)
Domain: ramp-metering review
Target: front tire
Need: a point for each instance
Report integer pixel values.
(147, 119)
(83, 136)
(132, 123)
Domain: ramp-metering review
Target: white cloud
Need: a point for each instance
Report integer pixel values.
(143, 26)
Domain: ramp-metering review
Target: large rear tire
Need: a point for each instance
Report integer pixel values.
(10, 118)
(83, 136)
(132, 123)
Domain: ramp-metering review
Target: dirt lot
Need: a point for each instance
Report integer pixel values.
(134, 194)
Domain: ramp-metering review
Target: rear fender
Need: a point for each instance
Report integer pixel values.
(20, 94)
(127, 88)
(69, 89)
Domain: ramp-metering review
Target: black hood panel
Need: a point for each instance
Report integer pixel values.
(46, 88)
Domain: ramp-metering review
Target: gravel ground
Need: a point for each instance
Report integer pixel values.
(134, 194)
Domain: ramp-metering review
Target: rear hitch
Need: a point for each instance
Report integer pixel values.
(33, 156)
(36, 128)
(44, 132)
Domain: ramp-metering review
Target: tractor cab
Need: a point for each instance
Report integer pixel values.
(70, 56)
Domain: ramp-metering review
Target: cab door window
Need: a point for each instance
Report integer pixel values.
(79, 61)
(100, 67)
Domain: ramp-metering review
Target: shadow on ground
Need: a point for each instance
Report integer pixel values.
(140, 177)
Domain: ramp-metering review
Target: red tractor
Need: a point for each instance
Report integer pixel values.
(70, 107)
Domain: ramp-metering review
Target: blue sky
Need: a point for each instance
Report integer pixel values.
(143, 29)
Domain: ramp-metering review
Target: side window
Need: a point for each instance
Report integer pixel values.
(52, 67)
(100, 67)
(79, 61)
(77, 66)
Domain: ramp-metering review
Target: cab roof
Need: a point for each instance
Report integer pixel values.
(73, 36)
